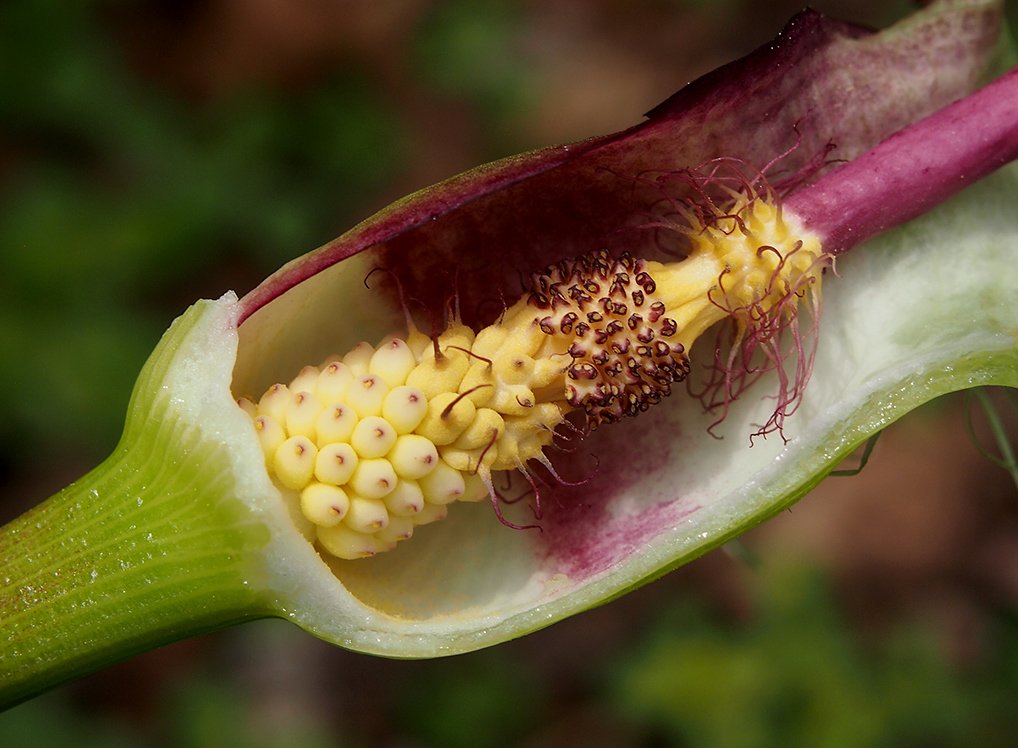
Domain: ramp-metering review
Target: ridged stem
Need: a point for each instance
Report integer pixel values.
(151, 546)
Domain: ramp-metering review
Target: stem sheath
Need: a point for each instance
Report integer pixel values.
(153, 545)
(913, 170)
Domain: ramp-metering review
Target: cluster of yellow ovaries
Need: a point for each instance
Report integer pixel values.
(383, 439)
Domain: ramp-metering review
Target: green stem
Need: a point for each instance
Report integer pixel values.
(124, 560)
(1007, 458)
(151, 546)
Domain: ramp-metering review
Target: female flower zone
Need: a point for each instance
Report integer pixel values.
(518, 317)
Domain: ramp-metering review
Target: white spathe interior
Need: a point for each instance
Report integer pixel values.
(913, 315)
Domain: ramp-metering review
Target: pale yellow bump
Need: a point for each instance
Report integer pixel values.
(525, 331)
(302, 414)
(399, 528)
(514, 399)
(462, 460)
(478, 383)
(366, 395)
(393, 362)
(248, 406)
(336, 463)
(490, 341)
(436, 376)
(443, 424)
(546, 415)
(442, 485)
(548, 371)
(514, 367)
(359, 358)
(511, 448)
(306, 380)
(413, 456)
(474, 489)
(457, 334)
(471, 461)
(405, 499)
(304, 526)
(270, 434)
(431, 513)
(342, 542)
(294, 462)
(325, 505)
(275, 402)
(334, 381)
(335, 424)
(366, 515)
(416, 340)
(526, 437)
(373, 437)
(373, 478)
(533, 443)
(404, 407)
(485, 429)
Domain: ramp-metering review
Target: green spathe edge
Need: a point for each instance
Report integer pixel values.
(924, 310)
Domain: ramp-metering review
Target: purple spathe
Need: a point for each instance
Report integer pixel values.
(914, 169)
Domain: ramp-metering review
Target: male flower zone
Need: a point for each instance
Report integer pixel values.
(498, 402)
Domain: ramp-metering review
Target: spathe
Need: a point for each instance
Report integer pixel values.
(657, 490)
(183, 531)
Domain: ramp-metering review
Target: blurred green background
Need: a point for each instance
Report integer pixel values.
(155, 152)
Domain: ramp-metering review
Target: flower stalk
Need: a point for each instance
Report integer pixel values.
(114, 565)
(151, 546)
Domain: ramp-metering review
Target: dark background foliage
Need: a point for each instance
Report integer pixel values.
(155, 152)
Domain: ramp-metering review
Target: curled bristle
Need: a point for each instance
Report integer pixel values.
(760, 336)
